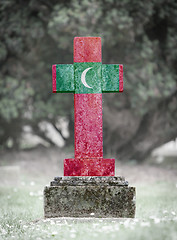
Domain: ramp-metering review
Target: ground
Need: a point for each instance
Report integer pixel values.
(23, 176)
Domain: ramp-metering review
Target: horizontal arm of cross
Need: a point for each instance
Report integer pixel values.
(87, 78)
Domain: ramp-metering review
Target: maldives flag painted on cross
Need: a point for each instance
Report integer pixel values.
(88, 78)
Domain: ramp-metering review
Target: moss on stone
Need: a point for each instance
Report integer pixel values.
(80, 201)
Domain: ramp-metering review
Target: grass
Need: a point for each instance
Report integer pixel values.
(21, 202)
(21, 216)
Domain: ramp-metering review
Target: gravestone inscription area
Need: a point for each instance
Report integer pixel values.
(89, 187)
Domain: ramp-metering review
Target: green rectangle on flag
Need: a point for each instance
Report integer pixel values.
(87, 77)
(64, 78)
(110, 78)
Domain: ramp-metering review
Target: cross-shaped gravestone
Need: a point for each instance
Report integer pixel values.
(91, 190)
(88, 78)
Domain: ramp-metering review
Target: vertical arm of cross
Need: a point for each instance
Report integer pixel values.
(88, 79)
(88, 98)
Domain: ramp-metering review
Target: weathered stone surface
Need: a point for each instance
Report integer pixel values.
(88, 126)
(84, 181)
(87, 49)
(89, 166)
(91, 197)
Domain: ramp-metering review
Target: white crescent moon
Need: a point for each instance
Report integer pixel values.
(83, 77)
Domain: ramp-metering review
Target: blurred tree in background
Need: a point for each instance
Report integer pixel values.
(139, 34)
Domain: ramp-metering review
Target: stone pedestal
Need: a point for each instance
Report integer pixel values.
(89, 197)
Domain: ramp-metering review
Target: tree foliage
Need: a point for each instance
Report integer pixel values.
(140, 34)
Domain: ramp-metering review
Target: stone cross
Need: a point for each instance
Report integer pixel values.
(88, 78)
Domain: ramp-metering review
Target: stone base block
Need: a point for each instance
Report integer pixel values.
(89, 167)
(106, 197)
